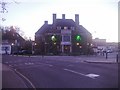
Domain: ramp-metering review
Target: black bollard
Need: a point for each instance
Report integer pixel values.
(117, 58)
(106, 55)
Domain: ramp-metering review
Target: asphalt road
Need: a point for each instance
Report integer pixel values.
(65, 72)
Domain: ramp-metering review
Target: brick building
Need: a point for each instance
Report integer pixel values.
(63, 36)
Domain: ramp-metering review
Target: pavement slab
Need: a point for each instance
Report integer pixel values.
(10, 79)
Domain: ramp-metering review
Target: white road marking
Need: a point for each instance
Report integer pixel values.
(29, 63)
(92, 75)
(45, 64)
(25, 79)
(88, 75)
(74, 72)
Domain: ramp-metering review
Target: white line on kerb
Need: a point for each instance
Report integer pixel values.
(25, 78)
(86, 75)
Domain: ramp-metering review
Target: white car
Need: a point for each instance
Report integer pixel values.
(109, 51)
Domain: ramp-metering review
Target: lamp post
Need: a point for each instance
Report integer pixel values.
(33, 47)
(12, 50)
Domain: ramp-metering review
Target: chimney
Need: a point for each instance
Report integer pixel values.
(63, 16)
(46, 22)
(54, 18)
(77, 19)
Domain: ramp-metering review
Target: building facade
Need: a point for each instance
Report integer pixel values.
(12, 42)
(101, 44)
(63, 36)
(5, 48)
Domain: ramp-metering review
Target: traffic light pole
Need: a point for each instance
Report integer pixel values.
(106, 55)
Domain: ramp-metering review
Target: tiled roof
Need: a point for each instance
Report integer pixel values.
(65, 22)
(62, 23)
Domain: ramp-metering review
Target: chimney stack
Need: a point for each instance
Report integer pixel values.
(63, 16)
(54, 18)
(46, 22)
(77, 19)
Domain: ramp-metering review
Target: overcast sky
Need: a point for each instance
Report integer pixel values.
(100, 17)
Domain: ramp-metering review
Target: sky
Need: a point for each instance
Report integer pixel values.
(99, 17)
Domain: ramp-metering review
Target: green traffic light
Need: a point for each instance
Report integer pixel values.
(78, 38)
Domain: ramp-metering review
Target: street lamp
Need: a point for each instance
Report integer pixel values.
(33, 45)
(12, 48)
(77, 44)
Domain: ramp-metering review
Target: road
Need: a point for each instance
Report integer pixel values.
(62, 72)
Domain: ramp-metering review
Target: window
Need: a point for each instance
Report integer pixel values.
(5, 48)
(66, 38)
(62, 27)
(69, 28)
(65, 27)
(72, 28)
(58, 28)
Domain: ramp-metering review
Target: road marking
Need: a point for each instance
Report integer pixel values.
(50, 65)
(86, 75)
(32, 64)
(25, 79)
(45, 64)
(70, 65)
(29, 63)
(92, 75)
(74, 72)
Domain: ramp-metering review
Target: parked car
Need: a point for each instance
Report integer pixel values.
(109, 51)
(23, 52)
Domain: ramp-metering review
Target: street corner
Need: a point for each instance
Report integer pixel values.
(10, 79)
(100, 61)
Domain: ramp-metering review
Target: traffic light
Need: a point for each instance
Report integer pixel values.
(78, 38)
(53, 38)
(78, 41)
(77, 44)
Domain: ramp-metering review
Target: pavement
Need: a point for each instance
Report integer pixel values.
(111, 58)
(101, 60)
(90, 58)
(11, 81)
